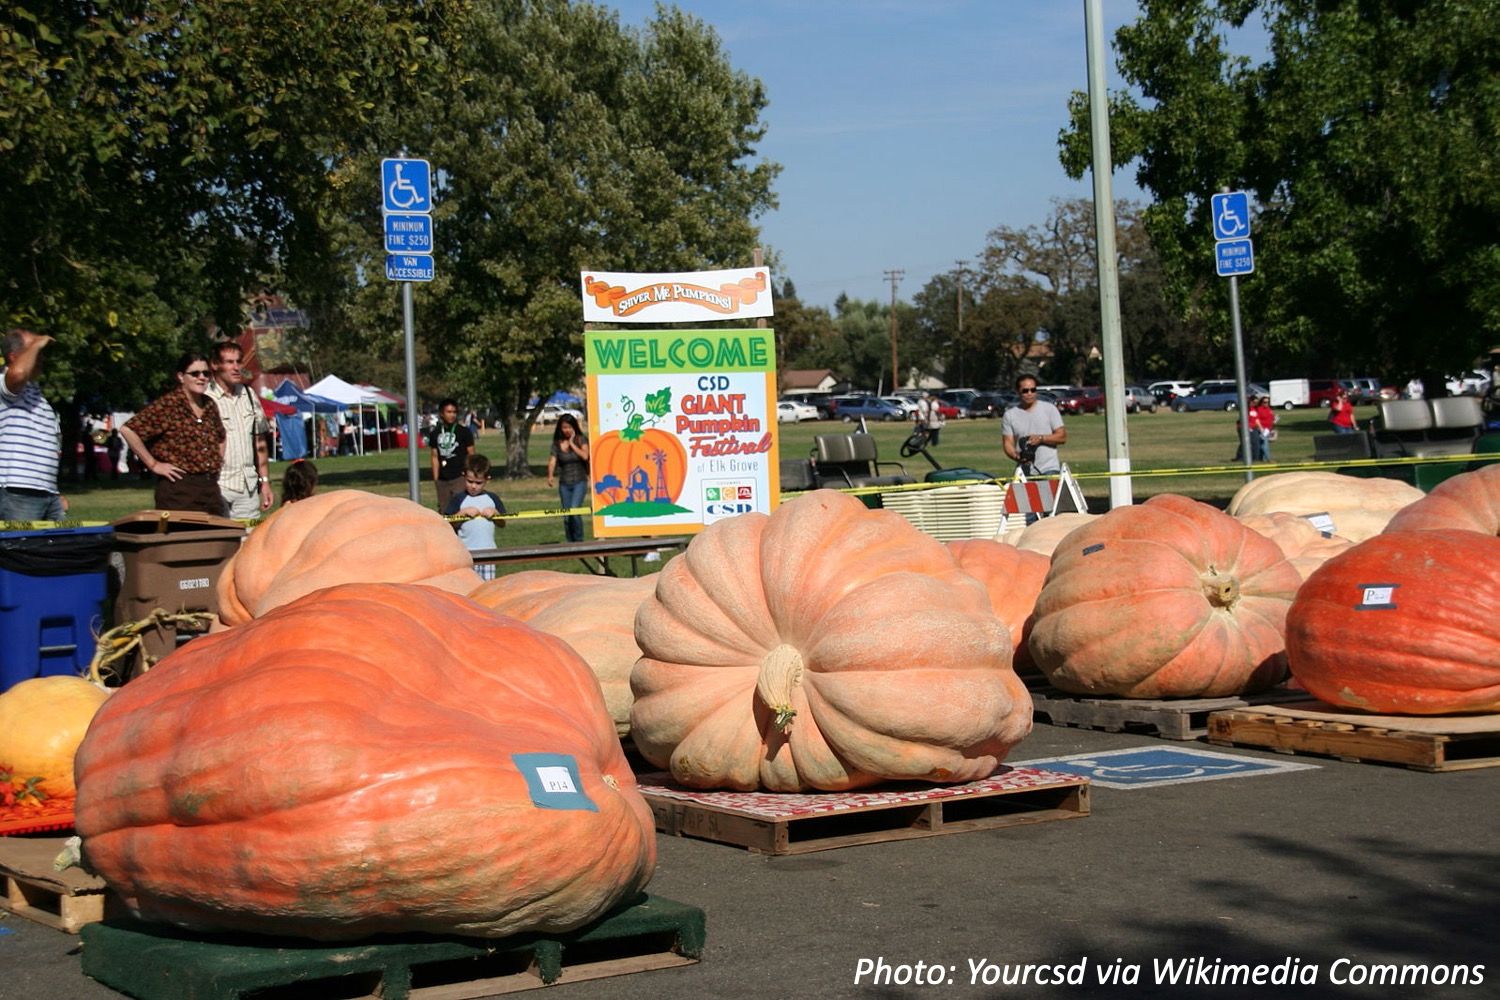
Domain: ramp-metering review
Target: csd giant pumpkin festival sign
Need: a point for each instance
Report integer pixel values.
(682, 427)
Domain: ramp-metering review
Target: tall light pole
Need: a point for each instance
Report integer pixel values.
(1116, 439)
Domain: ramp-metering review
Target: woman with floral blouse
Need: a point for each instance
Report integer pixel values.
(180, 439)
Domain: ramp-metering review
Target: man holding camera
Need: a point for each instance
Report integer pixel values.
(1033, 431)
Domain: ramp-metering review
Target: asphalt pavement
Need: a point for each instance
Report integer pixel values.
(1331, 872)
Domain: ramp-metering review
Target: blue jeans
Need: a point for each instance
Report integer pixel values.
(573, 495)
(1339, 429)
(29, 506)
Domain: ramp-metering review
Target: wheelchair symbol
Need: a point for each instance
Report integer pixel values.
(402, 193)
(1154, 772)
(1230, 222)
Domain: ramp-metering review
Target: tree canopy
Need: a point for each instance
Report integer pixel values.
(1367, 137)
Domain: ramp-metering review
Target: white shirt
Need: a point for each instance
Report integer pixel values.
(30, 439)
(243, 420)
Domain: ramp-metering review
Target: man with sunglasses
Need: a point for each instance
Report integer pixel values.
(1033, 431)
(244, 481)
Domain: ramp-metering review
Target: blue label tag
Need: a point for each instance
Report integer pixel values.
(552, 779)
(1090, 550)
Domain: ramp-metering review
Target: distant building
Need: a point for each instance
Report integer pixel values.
(809, 380)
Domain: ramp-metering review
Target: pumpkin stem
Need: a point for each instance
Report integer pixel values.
(1221, 589)
(780, 673)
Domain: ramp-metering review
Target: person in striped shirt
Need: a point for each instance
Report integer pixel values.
(30, 436)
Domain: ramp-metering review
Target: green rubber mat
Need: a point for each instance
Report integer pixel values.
(154, 962)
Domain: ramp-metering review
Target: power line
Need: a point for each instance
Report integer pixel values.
(894, 276)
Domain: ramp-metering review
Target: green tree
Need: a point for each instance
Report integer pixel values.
(162, 159)
(1367, 137)
(562, 143)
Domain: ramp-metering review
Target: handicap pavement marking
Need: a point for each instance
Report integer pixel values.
(1147, 767)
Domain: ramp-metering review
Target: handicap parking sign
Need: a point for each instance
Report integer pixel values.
(406, 185)
(1147, 767)
(1231, 215)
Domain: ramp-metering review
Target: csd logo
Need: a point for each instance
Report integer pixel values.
(727, 509)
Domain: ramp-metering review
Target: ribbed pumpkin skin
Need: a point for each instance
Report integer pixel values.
(1360, 508)
(596, 617)
(343, 767)
(1012, 578)
(1467, 502)
(1434, 651)
(1168, 599)
(889, 654)
(1304, 546)
(344, 536)
(42, 721)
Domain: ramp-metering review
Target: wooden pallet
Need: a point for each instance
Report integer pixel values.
(1169, 718)
(153, 962)
(64, 900)
(772, 823)
(1432, 743)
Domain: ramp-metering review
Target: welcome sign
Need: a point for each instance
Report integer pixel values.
(682, 428)
(613, 297)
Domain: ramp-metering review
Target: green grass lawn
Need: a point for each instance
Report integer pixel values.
(1161, 440)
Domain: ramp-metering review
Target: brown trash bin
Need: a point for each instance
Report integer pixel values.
(171, 559)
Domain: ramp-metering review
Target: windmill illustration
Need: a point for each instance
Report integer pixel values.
(660, 458)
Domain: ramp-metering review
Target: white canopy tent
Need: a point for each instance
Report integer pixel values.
(334, 388)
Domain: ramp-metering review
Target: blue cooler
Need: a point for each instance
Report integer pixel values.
(53, 584)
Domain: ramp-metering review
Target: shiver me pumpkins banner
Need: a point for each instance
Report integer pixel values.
(682, 426)
(613, 297)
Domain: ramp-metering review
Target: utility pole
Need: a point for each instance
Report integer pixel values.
(959, 339)
(894, 276)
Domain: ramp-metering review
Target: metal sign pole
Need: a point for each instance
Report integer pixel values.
(1239, 375)
(413, 428)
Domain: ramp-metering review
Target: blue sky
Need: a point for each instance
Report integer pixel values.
(906, 129)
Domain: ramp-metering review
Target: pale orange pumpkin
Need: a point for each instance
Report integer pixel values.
(593, 614)
(1467, 502)
(1300, 541)
(826, 646)
(1170, 598)
(1043, 535)
(1012, 578)
(343, 536)
(1359, 508)
(42, 721)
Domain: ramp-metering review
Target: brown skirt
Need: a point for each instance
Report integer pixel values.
(194, 491)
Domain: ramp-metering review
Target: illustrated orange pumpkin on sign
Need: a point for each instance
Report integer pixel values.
(639, 470)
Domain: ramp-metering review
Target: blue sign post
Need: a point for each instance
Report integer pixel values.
(406, 203)
(1229, 212)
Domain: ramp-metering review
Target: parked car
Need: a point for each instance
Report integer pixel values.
(905, 404)
(960, 399)
(1322, 391)
(1217, 395)
(789, 411)
(1138, 399)
(820, 401)
(852, 408)
(992, 404)
(551, 413)
(1168, 392)
(1366, 390)
(1087, 399)
(1470, 383)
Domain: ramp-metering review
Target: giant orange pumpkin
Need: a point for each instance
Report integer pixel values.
(1468, 502)
(593, 614)
(1168, 599)
(825, 646)
(1012, 578)
(619, 459)
(371, 758)
(344, 536)
(1405, 623)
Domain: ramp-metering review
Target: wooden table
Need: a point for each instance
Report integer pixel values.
(593, 554)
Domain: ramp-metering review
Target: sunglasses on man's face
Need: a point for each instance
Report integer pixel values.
(1027, 392)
